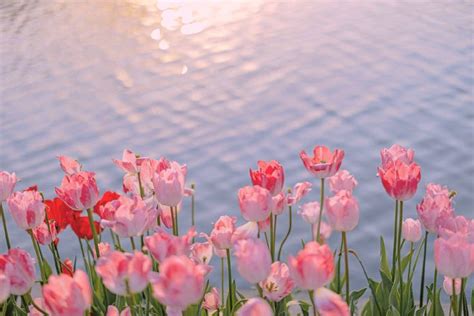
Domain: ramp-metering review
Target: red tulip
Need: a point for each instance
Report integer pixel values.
(106, 198)
(269, 175)
(59, 213)
(400, 180)
(67, 267)
(81, 227)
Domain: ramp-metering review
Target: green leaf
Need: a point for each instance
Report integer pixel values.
(383, 258)
(405, 261)
(354, 298)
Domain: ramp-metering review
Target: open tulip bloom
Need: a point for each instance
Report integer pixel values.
(133, 261)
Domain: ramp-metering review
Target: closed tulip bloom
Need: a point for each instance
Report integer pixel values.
(165, 214)
(67, 296)
(324, 232)
(59, 213)
(400, 180)
(212, 301)
(248, 230)
(221, 234)
(397, 152)
(278, 283)
(411, 230)
(454, 257)
(202, 252)
(269, 175)
(299, 191)
(329, 303)
(255, 306)
(129, 162)
(342, 180)
(255, 203)
(19, 267)
(79, 191)
(113, 311)
(130, 216)
(449, 226)
(4, 287)
(324, 163)
(448, 286)
(179, 284)
(169, 184)
(253, 259)
(67, 267)
(27, 209)
(44, 234)
(313, 267)
(342, 211)
(124, 273)
(69, 165)
(435, 207)
(310, 212)
(7, 184)
(163, 245)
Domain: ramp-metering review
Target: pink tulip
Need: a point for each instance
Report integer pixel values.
(113, 311)
(264, 226)
(202, 252)
(448, 286)
(325, 231)
(454, 257)
(221, 235)
(212, 301)
(313, 267)
(279, 203)
(27, 209)
(104, 249)
(45, 235)
(329, 303)
(4, 287)
(299, 191)
(449, 226)
(129, 162)
(342, 211)
(169, 184)
(179, 284)
(255, 307)
(131, 216)
(278, 283)
(400, 180)
(342, 180)
(253, 259)
(7, 184)
(411, 230)
(33, 311)
(310, 212)
(255, 203)
(435, 207)
(163, 245)
(248, 230)
(270, 175)
(294, 308)
(69, 165)
(396, 152)
(165, 214)
(124, 273)
(324, 163)
(79, 191)
(67, 296)
(19, 267)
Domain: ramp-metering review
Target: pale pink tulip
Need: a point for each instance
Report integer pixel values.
(255, 203)
(279, 203)
(104, 249)
(325, 231)
(313, 267)
(396, 152)
(310, 212)
(269, 175)
(130, 216)
(179, 284)
(411, 230)
(329, 303)
(165, 214)
(4, 287)
(67, 296)
(79, 191)
(129, 162)
(69, 165)
(342, 180)
(255, 307)
(221, 234)
(294, 308)
(169, 184)
(19, 267)
(342, 211)
(124, 273)
(113, 311)
(248, 230)
(163, 245)
(299, 191)
(40, 303)
(400, 180)
(435, 207)
(278, 283)
(45, 235)
(448, 286)
(212, 301)
(202, 252)
(449, 226)
(253, 259)
(7, 184)
(324, 163)
(454, 257)
(27, 209)
(264, 226)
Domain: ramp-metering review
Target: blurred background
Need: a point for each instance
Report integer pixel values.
(221, 84)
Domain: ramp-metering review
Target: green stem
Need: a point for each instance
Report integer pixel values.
(338, 267)
(176, 219)
(5, 228)
(38, 255)
(272, 239)
(140, 187)
(290, 221)
(321, 205)
(435, 291)
(422, 287)
(399, 256)
(453, 298)
(132, 242)
(222, 281)
(229, 272)
(346, 267)
(275, 221)
(28, 295)
(411, 257)
(94, 232)
(395, 239)
(311, 298)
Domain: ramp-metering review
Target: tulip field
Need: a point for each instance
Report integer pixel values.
(134, 258)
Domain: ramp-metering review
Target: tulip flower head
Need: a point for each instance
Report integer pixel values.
(269, 175)
(324, 163)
